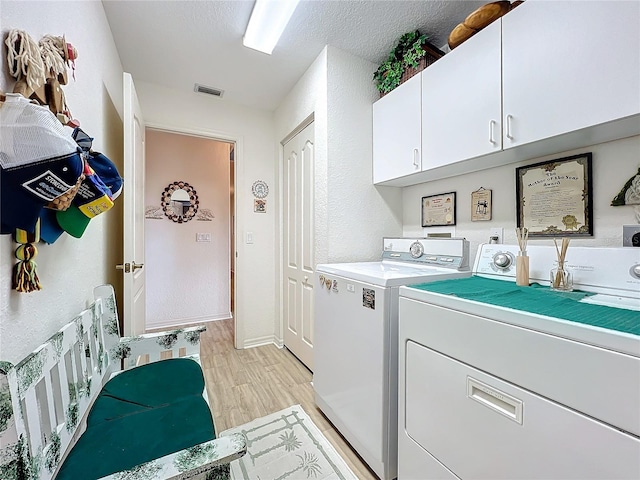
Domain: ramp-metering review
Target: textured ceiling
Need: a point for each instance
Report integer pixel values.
(179, 43)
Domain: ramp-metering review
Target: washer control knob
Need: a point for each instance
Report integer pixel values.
(416, 249)
(502, 260)
(635, 271)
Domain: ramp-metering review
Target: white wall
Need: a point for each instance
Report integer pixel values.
(613, 164)
(351, 215)
(254, 132)
(309, 96)
(359, 213)
(187, 281)
(70, 268)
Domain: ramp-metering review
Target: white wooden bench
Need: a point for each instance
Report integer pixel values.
(45, 398)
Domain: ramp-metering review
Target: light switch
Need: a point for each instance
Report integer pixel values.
(249, 238)
(203, 237)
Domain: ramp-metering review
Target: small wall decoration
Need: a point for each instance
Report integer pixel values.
(153, 212)
(481, 205)
(259, 206)
(439, 210)
(555, 197)
(205, 215)
(630, 195)
(179, 202)
(260, 189)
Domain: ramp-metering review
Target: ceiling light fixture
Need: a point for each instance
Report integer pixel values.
(268, 20)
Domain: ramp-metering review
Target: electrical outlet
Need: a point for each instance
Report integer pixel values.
(496, 235)
(631, 235)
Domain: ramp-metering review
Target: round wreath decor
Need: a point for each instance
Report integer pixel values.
(165, 201)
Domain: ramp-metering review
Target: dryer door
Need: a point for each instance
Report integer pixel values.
(481, 427)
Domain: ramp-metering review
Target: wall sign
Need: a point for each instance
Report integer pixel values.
(260, 189)
(555, 197)
(481, 205)
(259, 206)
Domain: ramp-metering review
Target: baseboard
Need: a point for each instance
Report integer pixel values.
(260, 341)
(186, 322)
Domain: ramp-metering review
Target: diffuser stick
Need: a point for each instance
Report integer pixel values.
(522, 260)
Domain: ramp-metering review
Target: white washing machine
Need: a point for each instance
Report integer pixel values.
(356, 339)
(498, 381)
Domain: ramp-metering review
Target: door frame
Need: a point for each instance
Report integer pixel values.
(280, 231)
(238, 332)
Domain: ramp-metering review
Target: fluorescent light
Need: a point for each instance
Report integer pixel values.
(267, 22)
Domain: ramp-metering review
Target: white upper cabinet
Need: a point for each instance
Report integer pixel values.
(461, 102)
(396, 132)
(547, 77)
(568, 66)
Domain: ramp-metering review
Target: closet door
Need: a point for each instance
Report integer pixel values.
(298, 267)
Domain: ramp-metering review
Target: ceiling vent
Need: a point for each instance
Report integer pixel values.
(216, 92)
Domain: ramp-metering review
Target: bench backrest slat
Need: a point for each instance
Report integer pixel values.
(44, 398)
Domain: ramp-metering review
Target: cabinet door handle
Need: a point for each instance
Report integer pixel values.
(416, 154)
(491, 124)
(509, 135)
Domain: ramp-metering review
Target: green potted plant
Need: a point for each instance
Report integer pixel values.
(406, 55)
(388, 75)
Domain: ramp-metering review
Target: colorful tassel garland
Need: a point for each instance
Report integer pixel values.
(25, 277)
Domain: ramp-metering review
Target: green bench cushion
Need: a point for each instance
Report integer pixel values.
(140, 415)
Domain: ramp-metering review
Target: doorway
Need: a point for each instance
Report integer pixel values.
(188, 255)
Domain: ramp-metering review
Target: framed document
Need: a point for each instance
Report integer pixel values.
(481, 205)
(554, 198)
(439, 210)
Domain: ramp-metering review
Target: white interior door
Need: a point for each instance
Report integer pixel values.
(298, 245)
(133, 267)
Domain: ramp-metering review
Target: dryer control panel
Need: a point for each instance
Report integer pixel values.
(609, 270)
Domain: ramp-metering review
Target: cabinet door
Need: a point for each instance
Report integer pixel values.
(569, 65)
(396, 132)
(461, 102)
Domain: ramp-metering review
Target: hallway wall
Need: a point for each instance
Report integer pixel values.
(187, 281)
(70, 268)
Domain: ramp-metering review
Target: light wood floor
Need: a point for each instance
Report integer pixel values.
(246, 384)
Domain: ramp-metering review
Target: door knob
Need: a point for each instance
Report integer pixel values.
(129, 267)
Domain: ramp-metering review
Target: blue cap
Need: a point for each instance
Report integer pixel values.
(27, 189)
(107, 171)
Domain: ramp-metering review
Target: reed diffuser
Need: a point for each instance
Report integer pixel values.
(522, 260)
(561, 278)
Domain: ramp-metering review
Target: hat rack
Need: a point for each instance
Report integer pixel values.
(40, 70)
(52, 181)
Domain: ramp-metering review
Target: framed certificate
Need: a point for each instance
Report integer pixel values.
(439, 210)
(554, 198)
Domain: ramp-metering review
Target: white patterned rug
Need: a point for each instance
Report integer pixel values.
(287, 445)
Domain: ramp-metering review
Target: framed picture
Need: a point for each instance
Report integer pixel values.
(439, 210)
(554, 198)
(259, 205)
(481, 205)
